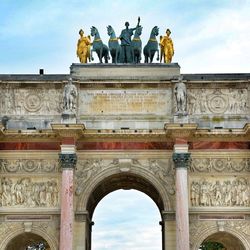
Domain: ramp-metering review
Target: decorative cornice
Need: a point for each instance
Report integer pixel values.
(69, 130)
(177, 130)
(67, 161)
(181, 160)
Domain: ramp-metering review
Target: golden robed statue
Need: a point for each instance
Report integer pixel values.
(167, 47)
(83, 47)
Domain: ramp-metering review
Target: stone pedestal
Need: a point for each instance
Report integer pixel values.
(67, 160)
(181, 118)
(68, 118)
(181, 160)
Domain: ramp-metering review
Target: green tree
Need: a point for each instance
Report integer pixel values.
(211, 245)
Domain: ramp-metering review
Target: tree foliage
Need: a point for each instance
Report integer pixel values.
(211, 245)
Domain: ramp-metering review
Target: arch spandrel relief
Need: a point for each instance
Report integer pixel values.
(91, 172)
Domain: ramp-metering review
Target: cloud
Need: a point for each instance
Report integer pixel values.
(126, 220)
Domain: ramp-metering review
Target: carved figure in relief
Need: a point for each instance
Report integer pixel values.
(167, 47)
(221, 193)
(83, 47)
(69, 96)
(180, 92)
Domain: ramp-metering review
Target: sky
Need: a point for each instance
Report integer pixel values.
(126, 220)
(210, 36)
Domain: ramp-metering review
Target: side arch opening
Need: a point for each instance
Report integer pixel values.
(22, 241)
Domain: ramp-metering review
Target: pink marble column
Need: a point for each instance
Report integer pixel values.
(68, 162)
(181, 160)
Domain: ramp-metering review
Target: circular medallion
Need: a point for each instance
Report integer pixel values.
(218, 104)
(29, 166)
(32, 102)
(219, 165)
(12, 166)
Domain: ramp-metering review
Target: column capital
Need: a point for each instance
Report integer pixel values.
(181, 160)
(67, 161)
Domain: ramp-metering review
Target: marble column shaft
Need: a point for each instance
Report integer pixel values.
(182, 217)
(68, 163)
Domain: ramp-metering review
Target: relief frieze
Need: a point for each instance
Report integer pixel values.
(231, 165)
(21, 101)
(28, 166)
(218, 101)
(212, 192)
(28, 192)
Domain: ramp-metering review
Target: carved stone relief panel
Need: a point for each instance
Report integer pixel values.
(28, 166)
(125, 102)
(44, 100)
(219, 192)
(217, 101)
(162, 169)
(29, 192)
(223, 165)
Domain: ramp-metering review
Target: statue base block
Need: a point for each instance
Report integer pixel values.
(181, 118)
(68, 118)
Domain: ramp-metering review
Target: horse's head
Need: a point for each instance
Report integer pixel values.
(93, 31)
(110, 30)
(155, 31)
(138, 30)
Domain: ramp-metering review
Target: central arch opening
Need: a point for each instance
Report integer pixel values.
(126, 209)
(126, 219)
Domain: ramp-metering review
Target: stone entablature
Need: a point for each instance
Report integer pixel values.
(125, 96)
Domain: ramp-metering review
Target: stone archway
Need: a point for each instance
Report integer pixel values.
(229, 241)
(113, 179)
(21, 241)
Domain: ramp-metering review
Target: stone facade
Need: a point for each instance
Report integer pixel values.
(124, 134)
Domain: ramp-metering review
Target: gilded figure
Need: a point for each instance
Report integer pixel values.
(83, 47)
(167, 47)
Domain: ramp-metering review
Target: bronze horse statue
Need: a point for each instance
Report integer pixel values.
(114, 46)
(152, 46)
(136, 45)
(98, 46)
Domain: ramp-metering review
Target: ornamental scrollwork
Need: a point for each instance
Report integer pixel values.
(234, 192)
(28, 192)
(206, 165)
(28, 166)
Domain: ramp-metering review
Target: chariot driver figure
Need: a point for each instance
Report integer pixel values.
(125, 37)
(83, 47)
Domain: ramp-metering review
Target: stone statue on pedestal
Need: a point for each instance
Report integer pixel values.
(180, 91)
(69, 97)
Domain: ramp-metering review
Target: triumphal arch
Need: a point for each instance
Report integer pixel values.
(68, 140)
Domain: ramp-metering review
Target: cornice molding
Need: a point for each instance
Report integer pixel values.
(69, 130)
